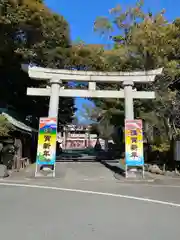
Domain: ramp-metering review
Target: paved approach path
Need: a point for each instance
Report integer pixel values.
(78, 171)
(75, 171)
(86, 202)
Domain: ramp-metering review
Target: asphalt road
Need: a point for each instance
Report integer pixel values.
(54, 214)
(85, 201)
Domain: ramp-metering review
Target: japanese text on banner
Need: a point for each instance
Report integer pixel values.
(134, 143)
(46, 152)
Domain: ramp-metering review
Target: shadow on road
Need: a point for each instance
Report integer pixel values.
(113, 168)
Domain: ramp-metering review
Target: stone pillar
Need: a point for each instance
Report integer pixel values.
(128, 95)
(54, 98)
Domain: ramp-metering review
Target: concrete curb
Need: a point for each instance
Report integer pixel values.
(122, 179)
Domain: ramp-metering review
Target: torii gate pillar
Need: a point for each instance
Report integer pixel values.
(128, 97)
(55, 85)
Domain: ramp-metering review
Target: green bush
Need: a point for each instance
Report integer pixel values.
(5, 127)
(163, 147)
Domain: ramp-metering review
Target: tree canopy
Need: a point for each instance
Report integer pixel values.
(31, 33)
(143, 41)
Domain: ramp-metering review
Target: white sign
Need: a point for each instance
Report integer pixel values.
(74, 135)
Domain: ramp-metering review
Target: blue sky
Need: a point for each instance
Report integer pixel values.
(81, 15)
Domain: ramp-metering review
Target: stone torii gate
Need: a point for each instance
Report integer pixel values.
(56, 89)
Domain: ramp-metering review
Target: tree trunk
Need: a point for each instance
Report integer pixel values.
(106, 145)
(171, 155)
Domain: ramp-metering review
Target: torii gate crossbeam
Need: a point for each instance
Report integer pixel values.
(55, 78)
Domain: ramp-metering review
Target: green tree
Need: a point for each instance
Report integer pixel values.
(5, 127)
(145, 41)
(87, 57)
(31, 33)
(100, 121)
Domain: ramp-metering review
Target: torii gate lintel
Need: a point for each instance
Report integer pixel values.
(56, 89)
